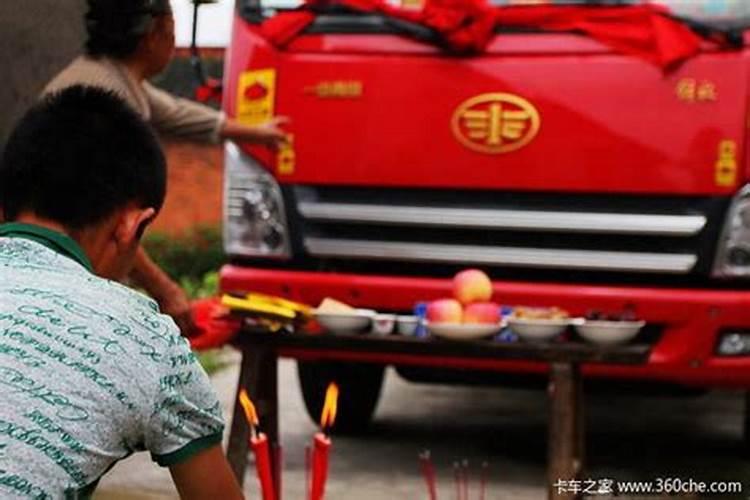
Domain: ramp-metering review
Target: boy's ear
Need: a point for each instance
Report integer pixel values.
(132, 223)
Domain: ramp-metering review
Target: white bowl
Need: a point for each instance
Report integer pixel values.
(609, 332)
(407, 325)
(463, 331)
(349, 322)
(538, 330)
(383, 324)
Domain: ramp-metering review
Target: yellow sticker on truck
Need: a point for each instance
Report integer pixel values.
(726, 164)
(286, 157)
(256, 94)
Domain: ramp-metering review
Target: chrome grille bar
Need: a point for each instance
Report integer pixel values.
(503, 256)
(523, 220)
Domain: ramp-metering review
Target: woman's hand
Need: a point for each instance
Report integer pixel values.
(269, 135)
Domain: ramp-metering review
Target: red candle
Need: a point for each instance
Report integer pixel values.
(322, 443)
(262, 453)
(321, 448)
(259, 444)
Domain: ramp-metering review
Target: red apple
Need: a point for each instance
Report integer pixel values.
(445, 311)
(472, 285)
(482, 312)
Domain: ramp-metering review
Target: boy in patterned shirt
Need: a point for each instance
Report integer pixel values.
(90, 371)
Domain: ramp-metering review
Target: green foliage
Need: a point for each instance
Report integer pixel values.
(188, 257)
(212, 361)
(199, 288)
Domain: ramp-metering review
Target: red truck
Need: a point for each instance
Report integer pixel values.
(575, 175)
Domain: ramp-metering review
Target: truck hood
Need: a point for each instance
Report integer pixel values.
(537, 112)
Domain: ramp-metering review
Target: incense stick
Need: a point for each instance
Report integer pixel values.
(308, 465)
(428, 471)
(457, 479)
(483, 480)
(465, 477)
(278, 452)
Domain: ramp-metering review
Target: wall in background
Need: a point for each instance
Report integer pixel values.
(37, 39)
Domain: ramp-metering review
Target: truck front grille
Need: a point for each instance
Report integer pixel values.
(643, 235)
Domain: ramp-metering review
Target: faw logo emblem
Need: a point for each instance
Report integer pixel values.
(495, 123)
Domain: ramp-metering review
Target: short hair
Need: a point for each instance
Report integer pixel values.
(116, 27)
(77, 157)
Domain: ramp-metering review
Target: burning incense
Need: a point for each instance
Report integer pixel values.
(308, 466)
(483, 480)
(278, 457)
(428, 471)
(465, 478)
(457, 479)
(259, 444)
(322, 443)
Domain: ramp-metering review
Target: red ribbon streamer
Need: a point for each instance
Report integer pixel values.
(467, 26)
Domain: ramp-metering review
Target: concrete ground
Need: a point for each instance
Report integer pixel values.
(629, 438)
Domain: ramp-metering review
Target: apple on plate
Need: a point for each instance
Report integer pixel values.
(472, 285)
(445, 311)
(482, 313)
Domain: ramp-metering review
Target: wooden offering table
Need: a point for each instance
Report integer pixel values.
(261, 350)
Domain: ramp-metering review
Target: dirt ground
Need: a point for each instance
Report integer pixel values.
(628, 438)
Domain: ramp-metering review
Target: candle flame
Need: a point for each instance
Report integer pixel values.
(250, 414)
(328, 415)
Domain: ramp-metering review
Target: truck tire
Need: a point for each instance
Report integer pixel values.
(360, 385)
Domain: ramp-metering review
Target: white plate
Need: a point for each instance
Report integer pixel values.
(463, 331)
(538, 329)
(351, 322)
(609, 332)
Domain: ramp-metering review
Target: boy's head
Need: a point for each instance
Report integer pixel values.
(124, 29)
(83, 160)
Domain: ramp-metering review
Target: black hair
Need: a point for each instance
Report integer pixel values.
(116, 27)
(78, 156)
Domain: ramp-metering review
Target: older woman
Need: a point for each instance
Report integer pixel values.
(130, 41)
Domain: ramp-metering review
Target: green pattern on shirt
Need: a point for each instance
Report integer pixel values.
(90, 372)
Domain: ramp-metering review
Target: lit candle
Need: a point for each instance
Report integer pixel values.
(321, 448)
(322, 444)
(261, 450)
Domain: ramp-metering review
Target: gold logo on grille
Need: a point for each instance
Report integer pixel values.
(495, 123)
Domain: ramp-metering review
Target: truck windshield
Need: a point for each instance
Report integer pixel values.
(723, 14)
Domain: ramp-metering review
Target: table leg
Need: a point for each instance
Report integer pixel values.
(259, 377)
(566, 431)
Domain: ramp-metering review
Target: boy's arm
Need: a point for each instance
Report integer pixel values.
(206, 475)
(170, 296)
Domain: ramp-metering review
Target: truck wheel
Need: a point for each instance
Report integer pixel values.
(359, 385)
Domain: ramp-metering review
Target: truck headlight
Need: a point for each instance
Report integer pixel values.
(733, 253)
(255, 223)
(734, 344)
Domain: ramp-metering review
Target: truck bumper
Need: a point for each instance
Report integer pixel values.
(685, 353)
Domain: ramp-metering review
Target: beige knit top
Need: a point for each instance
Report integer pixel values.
(169, 115)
